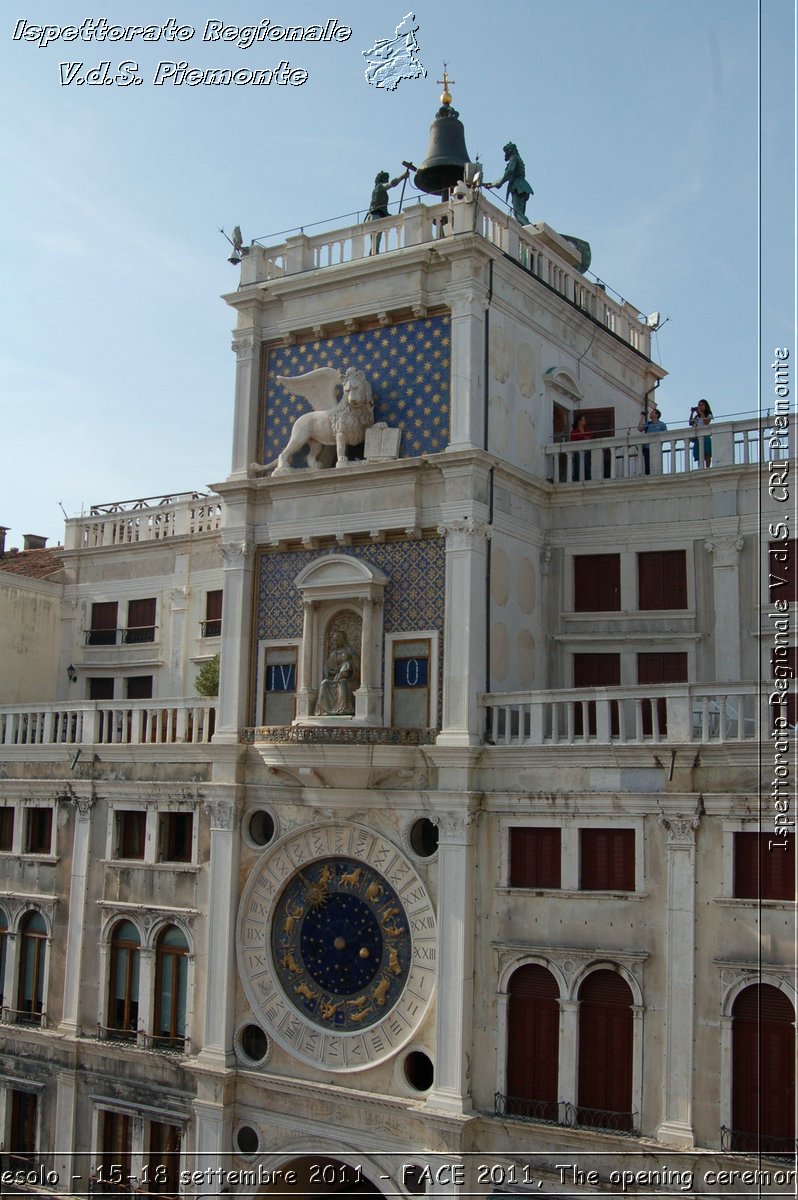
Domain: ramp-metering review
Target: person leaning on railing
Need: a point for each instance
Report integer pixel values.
(580, 433)
(652, 423)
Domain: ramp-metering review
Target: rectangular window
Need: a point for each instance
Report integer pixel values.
(38, 830)
(534, 857)
(212, 625)
(139, 687)
(662, 579)
(176, 836)
(656, 668)
(6, 829)
(163, 1160)
(103, 624)
(410, 697)
(114, 1166)
(131, 829)
(593, 671)
(279, 693)
(764, 866)
(607, 860)
(597, 583)
(140, 622)
(24, 1106)
(782, 573)
(101, 688)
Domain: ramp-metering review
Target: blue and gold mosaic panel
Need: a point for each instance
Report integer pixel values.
(414, 597)
(407, 365)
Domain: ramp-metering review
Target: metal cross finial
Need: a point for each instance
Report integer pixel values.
(446, 97)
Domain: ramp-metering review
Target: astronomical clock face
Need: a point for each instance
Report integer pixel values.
(336, 946)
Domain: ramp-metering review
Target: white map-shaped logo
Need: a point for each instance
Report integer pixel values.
(390, 60)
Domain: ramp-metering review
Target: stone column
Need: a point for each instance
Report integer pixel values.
(64, 1140)
(236, 640)
(305, 690)
(78, 885)
(245, 423)
(676, 1127)
(455, 986)
(467, 302)
(567, 1065)
(220, 969)
(726, 580)
(464, 634)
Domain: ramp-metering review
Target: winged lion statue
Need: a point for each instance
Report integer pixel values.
(332, 422)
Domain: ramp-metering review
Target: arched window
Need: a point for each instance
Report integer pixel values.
(171, 971)
(533, 1039)
(605, 1052)
(123, 984)
(763, 1071)
(3, 956)
(33, 952)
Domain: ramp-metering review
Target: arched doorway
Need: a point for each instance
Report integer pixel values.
(318, 1175)
(605, 1052)
(763, 1071)
(533, 1038)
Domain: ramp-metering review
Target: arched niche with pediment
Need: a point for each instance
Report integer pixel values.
(565, 397)
(341, 592)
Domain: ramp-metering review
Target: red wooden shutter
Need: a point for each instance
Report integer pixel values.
(763, 1069)
(534, 858)
(605, 1051)
(662, 579)
(607, 860)
(762, 870)
(533, 1043)
(597, 583)
(659, 667)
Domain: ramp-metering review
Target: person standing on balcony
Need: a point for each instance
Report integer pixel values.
(378, 208)
(652, 423)
(579, 433)
(700, 418)
(518, 187)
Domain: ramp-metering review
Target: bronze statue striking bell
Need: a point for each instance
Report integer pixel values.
(446, 153)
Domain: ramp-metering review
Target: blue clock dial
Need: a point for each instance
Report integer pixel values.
(341, 944)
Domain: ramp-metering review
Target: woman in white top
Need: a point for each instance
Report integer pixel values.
(700, 418)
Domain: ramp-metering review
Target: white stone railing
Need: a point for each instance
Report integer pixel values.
(150, 520)
(655, 713)
(734, 443)
(137, 722)
(536, 247)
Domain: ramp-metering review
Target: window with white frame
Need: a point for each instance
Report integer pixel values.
(277, 680)
(411, 679)
(148, 834)
(32, 964)
(138, 1151)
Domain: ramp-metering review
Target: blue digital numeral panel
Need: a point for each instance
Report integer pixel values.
(411, 672)
(281, 677)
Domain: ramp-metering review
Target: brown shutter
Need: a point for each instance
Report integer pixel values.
(597, 583)
(662, 579)
(763, 1069)
(533, 1043)
(605, 1051)
(213, 606)
(659, 667)
(535, 858)
(763, 870)
(596, 670)
(607, 860)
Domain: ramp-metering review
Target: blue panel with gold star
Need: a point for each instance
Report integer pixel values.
(407, 366)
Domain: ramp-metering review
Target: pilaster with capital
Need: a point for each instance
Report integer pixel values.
(453, 1034)
(236, 639)
(78, 885)
(725, 555)
(464, 634)
(467, 301)
(246, 346)
(217, 1048)
(677, 1126)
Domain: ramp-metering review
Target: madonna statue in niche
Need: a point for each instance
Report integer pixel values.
(337, 689)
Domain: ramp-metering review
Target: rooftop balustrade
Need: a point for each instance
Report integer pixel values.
(633, 454)
(537, 248)
(126, 522)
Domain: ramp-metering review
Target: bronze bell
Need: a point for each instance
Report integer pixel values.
(446, 155)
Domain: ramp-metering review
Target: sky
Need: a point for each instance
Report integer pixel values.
(662, 133)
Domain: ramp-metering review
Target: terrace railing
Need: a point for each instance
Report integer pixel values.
(152, 519)
(136, 722)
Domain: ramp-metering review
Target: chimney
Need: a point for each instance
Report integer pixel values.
(33, 541)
